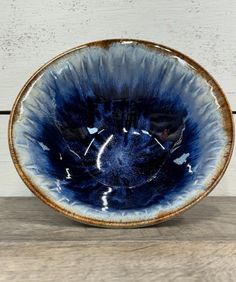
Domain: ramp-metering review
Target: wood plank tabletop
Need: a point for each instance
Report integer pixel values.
(39, 244)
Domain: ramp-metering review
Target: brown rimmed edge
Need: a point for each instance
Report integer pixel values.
(225, 112)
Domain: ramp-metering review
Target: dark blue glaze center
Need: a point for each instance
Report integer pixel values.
(122, 146)
(118, 131)
(129, 155)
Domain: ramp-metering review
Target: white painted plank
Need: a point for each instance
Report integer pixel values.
(11, 184)
(33, 33)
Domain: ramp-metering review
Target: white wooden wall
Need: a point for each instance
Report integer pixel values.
(32, 32)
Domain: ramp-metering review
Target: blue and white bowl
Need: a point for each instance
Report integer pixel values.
(121, 133)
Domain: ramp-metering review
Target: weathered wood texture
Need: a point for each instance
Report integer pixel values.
(131, 262)
(38, 244)
(12, 185)
(33, 33)
(27, 219)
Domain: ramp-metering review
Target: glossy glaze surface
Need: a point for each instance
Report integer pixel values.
(123, 132)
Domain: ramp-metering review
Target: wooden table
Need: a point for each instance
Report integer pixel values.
(39, 244)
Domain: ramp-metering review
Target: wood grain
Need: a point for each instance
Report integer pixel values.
(30, 35)
(29, 220)
(159, 261)
(38, 244)
(11, 184)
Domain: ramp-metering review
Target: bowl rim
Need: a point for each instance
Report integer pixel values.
(226, 113)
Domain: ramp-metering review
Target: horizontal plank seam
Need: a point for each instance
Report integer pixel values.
(5, 112)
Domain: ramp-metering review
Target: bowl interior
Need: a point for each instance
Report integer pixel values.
(126, 132)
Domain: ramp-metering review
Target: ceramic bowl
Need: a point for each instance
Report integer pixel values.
(121, 133)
